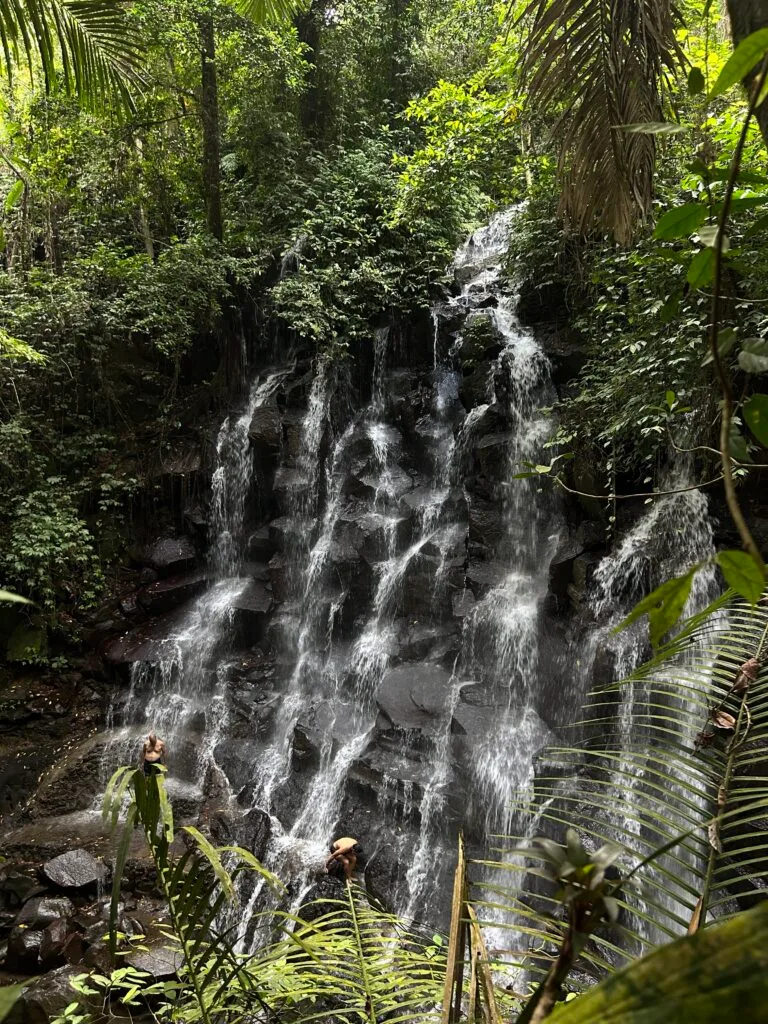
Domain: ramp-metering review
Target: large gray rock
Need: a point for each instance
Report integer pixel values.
(41, 911)
(413, 697)
(159, 962)
(170, 555)
(75, 869)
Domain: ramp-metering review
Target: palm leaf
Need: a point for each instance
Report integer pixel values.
(599, 65)
(266, 12)
(87, 45)
(654, 785)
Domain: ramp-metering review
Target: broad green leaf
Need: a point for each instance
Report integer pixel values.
(755, 413)
(702, 268)
(743, 574)
(8, 996)
(691, 980)
(14, 193)
(737, 446)
(747, 54)
(726, 339)
(6, 595)
(663, 606)
(754, 355)
(670, 398)
(696, 81)
(681, 221)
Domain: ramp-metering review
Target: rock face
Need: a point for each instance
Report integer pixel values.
(170, 555)
(76, 869)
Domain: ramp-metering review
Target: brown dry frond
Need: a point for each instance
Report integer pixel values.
(600, 63)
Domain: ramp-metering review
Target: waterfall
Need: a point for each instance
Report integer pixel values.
(182, 694)
(408, 682)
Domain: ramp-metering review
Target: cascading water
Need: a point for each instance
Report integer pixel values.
(409, 569)
(182, 695)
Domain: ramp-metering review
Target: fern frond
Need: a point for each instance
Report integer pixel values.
(663, 777)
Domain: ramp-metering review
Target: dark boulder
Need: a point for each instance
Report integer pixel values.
(23, 954)
(76, 869)
(251, 609)
(60, 943)
(265, 431)
(167, 594)
(45, 998)
(170, 555)
(314, 905)
(43, 910)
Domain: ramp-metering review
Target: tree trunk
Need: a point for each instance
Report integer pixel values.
(747, 16)
(209, 112)
(308, 26)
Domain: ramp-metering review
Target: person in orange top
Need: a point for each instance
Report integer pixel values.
(344, 854)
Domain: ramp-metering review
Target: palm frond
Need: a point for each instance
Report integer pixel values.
(270, 12)
(661, 774)
(87, 45)
(599, 64)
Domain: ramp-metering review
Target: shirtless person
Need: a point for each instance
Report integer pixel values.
(152, 753)
(344, 854)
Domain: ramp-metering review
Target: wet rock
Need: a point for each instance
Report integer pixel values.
(423, 642)
(17, 886)
(492, 455)
(60, 943)
(45, 998)
(313, 905)
(170, 555)
(486, 522)
(251, 609)
(484, 576)
(76, 869)
(161, 962)
(265, 431)
(384, 873)
(41, 911)
(412, 697)
(23, 954)
(167, 594)
(278, 574)
(463, 603)
(146, 643)
(287, 485)
(260, 545)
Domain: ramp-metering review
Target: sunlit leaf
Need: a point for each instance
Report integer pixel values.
(742, 573)
(744, 58)
(681, 221)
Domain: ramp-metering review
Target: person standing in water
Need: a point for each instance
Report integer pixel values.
(344, 854)
(153, 753)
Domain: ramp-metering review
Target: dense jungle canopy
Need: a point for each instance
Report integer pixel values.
(204, 198)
